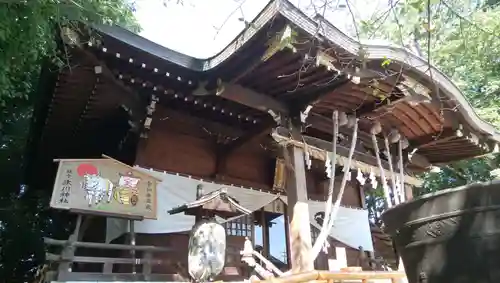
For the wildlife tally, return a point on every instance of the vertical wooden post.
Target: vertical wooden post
(252, 221)
(287, 238)
(108, 266)
(408, 192)
(132, 242)
(267, 244)
(68, 251)
(146, 267)
(298, 209)
(265, 233)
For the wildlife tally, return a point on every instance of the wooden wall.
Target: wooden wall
(317, 186)
(178, 143)
(181, 144)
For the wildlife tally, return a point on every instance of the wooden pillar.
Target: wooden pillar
(298, 209)
(132, 243)
(286, 220)
(68, 251)
(408, 192)
(265, 233)
(252, 221)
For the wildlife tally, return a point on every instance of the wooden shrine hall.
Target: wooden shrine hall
(258, 120)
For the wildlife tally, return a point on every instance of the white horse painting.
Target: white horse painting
(97, 188)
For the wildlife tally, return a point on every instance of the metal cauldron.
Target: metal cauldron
(452, 236)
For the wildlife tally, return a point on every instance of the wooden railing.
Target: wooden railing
(65, 260)
(142, 259)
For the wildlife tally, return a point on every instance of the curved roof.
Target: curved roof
(132, 69)
(416, 66)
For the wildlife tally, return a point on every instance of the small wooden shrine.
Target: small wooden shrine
(289, 115)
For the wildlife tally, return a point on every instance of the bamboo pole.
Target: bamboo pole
(331, 275)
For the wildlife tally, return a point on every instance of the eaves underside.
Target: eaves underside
(419, 66)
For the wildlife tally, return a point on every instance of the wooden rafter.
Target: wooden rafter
(250, 98)
(283, 135)
(248, 137)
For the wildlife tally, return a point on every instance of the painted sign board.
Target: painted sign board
(104, 187)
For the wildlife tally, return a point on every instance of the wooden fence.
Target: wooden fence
(67, 257)
(141, 266)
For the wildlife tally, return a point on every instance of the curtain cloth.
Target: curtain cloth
(351, 226)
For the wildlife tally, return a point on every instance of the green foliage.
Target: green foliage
(461, 38)
(27, 35)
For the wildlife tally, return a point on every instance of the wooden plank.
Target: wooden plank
(147, 268)
(91, 245)
(247, 138)
(96, 259)
(69, 249)
(253, 99)
(327, 146)
(325, 124)
(119, 277)
(300, 227)
(287, 237)
(282, 134)
(265, 233)
(334, 276)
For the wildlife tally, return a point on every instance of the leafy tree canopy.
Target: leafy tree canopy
(461, 38)
(27, 35)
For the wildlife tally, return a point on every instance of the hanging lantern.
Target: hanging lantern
(206, 251)
(394, 136)
(351, 120)
(376, 128)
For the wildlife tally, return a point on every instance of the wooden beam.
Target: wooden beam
(325, 124)
(320, 147)
(436, 138)
(248, 137)
(327, 146)
(132, 99)
(250, 98)
(314, 95)
(223, 151)
(164, 112)
(298, 209)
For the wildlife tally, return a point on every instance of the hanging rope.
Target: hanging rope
(401, 171)
(331, 184)
(374, 131)
(327, 225)
(391, 168)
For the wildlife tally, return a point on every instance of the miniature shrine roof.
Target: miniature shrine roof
(284, 61)
(217, 201)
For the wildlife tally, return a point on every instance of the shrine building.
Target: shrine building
(257, 120)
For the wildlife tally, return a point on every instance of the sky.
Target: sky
(201, 29)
